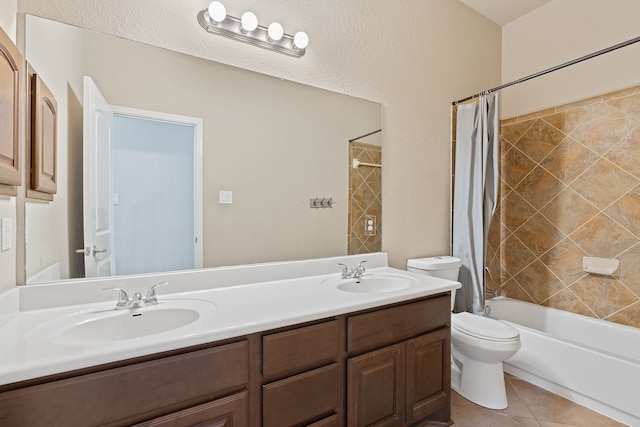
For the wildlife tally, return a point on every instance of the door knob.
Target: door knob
(90, 251)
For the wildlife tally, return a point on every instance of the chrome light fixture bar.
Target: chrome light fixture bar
(246, 29)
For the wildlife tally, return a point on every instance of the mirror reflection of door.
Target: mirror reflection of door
(97, 183)
(155, 198)
(142, 201)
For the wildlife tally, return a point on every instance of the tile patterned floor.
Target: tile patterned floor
(529, 406)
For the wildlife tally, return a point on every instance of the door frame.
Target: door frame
(197, 124)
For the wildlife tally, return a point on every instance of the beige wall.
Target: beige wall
(8, 17)
(561, 31)
(8, 204)
(52, 54)
(412, 56)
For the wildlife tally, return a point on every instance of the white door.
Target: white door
(97, 186)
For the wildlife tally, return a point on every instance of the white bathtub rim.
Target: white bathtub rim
(576, 317)
(576, 344)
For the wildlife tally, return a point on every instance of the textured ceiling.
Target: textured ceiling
(504, 11)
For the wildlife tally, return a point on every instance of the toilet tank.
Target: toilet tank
(445, 267)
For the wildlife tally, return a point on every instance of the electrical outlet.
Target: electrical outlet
(369, 225)
(6, 231)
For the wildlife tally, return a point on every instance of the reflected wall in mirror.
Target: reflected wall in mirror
(273, 143)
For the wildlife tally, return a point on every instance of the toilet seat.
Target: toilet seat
(483, 327)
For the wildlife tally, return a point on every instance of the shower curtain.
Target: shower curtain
(475, 195)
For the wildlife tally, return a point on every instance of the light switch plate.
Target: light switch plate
(226, 197)
(6, 231)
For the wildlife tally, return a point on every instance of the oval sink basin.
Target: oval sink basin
(93, 327)
(374, 283)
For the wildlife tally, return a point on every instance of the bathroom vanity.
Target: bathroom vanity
(375, 358)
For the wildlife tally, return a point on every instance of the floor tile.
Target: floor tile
(549, 407)
(529, 406)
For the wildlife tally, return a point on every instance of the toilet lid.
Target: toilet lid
(483, 327)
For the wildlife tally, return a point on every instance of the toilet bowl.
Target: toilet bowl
(479, 344)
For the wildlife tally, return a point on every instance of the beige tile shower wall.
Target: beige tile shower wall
(365, 199)
(571, 188)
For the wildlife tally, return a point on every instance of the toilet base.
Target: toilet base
(481, 383)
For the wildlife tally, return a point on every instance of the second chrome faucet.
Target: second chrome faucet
(137, 300)
(352, 273)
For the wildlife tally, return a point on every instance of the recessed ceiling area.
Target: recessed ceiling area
(504, 11)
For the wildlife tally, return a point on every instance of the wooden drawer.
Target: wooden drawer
(300, 349)
(298, 399)
(132, 393)
(379, 328)
(232, 411)
(331, 421)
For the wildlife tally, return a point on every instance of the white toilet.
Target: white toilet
(479, 344)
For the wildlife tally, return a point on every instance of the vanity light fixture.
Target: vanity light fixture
(248, 22)
(215, 20)
(275, 32)
(217, 12)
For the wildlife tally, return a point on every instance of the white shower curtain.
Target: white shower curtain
(475, 195)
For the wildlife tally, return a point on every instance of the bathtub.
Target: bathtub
(589, 361)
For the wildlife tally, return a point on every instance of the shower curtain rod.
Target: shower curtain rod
(552, 69)
(367, 134)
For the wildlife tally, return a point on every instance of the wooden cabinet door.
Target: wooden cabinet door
(232, 411)
(428, 375)
(43, 148)
(11, 66)
(375, 388)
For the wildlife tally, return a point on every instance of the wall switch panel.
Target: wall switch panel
(226, 197)
(6, 231)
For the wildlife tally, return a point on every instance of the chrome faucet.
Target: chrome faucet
(352, 273)
(123, 298)
(152, 298)
(137, 300)
(359, 270)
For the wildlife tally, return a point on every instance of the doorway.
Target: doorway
(157, 196)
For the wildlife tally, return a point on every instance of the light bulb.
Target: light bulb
(275, 31)
(217, 11)
(249, 22)
(300, 40)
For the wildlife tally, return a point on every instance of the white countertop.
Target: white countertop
(236, 311)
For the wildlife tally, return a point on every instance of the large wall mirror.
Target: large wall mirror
(267, 148)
